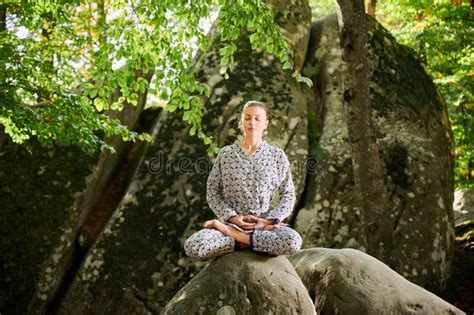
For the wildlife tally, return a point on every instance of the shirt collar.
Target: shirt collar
(241, 150)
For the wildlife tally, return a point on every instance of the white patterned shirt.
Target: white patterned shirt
(244, 185)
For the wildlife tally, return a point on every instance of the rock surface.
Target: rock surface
(465, 236)
(463, 205)
(41, 198)
(460, 291)
(45, 198)
(415, 142)
(348, 281)
(243, 283)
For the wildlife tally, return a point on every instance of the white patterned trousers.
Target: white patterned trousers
(209, 243)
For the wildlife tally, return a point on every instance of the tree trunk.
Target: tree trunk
(367, 168)
(101, 21)
(371, 5)
(3, 18)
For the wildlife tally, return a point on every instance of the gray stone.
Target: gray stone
(243, 283)
(46, 197)
(41, 197)
(463, 205)
(348, 281)
(415, 142)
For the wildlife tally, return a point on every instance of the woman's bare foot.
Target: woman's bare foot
(217, 225)
(230, 231)
(271, 227)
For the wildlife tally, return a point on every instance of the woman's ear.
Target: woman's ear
(240, 126)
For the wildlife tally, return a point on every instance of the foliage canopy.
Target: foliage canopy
(62, 62)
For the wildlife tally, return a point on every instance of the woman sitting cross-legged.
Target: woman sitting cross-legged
(240, 188)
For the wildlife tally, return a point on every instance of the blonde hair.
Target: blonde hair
(252, 104)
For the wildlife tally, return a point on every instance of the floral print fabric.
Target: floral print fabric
(244, 185)
(210, 243)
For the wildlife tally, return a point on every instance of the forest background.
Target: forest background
(61, 62)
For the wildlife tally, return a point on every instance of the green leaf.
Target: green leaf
(93, 93)
(254, 38)
(100, 104)
(223, 70)
(133, 99)
(287, 65)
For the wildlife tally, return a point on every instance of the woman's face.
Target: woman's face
(254, 121)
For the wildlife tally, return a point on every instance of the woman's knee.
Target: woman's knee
(292, 241)
(204, 244)
(190, 247)
(284, 241)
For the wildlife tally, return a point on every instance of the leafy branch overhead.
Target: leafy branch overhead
(63, 63)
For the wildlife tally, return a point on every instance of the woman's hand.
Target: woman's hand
(266, 225)
(271, 227)
(244, 221)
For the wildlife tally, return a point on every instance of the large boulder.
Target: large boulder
(415, 145)
(463, 205)
(348, 281)
(138, 263)
(42, 198)
(243, 283)
(45, 197)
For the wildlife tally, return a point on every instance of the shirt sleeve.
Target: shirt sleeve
(214, 192)
(287, 196)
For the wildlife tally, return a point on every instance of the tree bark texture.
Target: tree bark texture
(3, 18)
(368, 171)
(371, 6)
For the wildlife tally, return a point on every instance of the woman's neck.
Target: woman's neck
(251, 144)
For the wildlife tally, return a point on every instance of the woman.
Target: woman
(239, 192)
